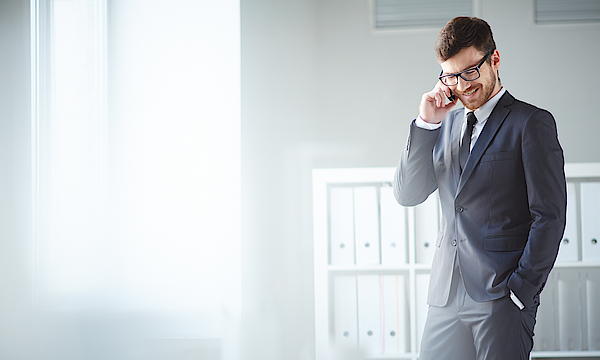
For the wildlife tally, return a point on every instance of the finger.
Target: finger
(441, 97)
(446, 91)
(443, 89)
(439, 102)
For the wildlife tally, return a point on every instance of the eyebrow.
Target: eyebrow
(470, 67)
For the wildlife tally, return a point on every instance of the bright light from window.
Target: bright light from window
(139, 170)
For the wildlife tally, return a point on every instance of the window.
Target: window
(137, 163)
(561, 11)
(404, 14)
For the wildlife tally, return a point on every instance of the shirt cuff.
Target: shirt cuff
(516, 300)
(425, 125)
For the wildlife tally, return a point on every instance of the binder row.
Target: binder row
(569, 316)
(371, 312)
(367, 227)
(583, 217)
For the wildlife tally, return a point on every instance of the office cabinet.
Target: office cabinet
(394, 314)
(345, 312)
(341, 235)
(590, 221)
(373, 257)
(393, 229)
(426, 227)
(592, 292)
(570, 317)
(569, 246)
(366, 225)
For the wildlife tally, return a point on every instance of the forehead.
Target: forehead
(465, 59)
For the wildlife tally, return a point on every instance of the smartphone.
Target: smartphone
(452, 97)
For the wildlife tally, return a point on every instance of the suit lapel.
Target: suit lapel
(490, 129)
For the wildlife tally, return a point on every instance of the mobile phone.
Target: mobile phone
(452, 97)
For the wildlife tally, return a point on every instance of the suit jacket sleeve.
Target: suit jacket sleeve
(543, 165)
(415, 178)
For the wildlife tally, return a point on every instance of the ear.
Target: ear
(495, 60)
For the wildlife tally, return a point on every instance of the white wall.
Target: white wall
(15, 171)
(278, 115)
(321, 89)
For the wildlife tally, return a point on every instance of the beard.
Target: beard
(485, 92)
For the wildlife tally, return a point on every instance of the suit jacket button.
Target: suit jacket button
(460, 209)
(453, 242)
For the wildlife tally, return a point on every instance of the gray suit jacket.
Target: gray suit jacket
(504, 216)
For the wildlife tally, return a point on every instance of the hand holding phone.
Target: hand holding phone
(436, 104)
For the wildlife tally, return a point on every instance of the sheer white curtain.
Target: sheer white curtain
(137, 168)
(71, 161)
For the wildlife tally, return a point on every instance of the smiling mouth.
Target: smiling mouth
(467, 94)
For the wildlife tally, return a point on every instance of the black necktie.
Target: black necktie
(465, 146)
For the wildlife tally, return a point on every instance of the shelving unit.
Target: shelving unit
(373, 257)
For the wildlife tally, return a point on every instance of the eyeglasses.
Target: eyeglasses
(467, 75)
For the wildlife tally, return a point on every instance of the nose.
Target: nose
(462, 84)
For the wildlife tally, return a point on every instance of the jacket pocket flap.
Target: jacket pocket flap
(504, 243)
(502, 155)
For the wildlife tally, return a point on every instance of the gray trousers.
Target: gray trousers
(469, 330)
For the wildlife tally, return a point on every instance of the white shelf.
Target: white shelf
(413, 272)
(564, 354)
(379, 268)
(582, 170)
(534, 355)
(578, 264)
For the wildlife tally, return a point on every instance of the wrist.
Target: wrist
(420, 122)
(430, 121)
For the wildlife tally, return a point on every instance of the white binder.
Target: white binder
(366, 225)
(427, 219)
(590, 221)
(394, 315)
(546, 321)
(421, 288)
(369, 314)
(341, 225)
(593, 308)
(569, 310)
(345, 312)
(569, 247)
(393, 229)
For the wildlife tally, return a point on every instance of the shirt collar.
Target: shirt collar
(486, 109)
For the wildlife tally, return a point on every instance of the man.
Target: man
(500, 176)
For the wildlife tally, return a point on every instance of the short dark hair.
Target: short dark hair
(461, 33)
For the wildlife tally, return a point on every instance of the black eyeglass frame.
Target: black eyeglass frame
(476, 68)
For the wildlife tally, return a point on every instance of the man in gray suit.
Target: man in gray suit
(499, 169)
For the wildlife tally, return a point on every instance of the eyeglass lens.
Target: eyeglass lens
(468, 75)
